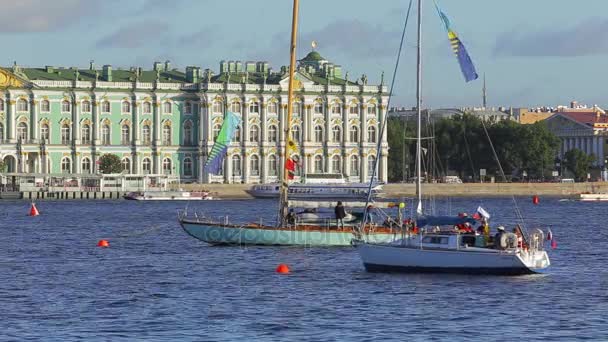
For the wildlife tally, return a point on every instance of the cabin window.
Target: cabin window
(438, 240)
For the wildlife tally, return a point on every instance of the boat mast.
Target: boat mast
(418, 110)
(284, 207)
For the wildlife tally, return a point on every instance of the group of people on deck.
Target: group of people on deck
(484, 230)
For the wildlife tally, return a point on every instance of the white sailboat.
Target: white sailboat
(430, 247)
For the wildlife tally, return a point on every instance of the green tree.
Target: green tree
(110, 163)
(579, 163)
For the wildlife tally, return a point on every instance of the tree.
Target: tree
(110, 163)
(579, 163)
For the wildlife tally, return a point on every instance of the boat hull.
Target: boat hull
(217, 234)
(594, 197)
(391, 258)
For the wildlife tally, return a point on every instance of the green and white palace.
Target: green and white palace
(163, 121)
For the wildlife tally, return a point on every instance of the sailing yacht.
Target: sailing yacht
(292, 229)
(433, 244)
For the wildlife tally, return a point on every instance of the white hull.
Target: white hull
(350, 191)
(168, 196)
(468, 260)
(593, 197)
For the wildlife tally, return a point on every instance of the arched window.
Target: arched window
(216, 131)
(354, 108)
(218, 107)
(45, 106)
(272, 108)
(254, 133)
(235, 107)
(318, 108)
(2, 105)
(22, 105)
(65, 134)
(85, 134)
(371, 109)
(354, 134)
(105, 106)
(44, 132)
(146, 166)
(237, 134)
(336, 108)
(166, 135)
(336, 164)
(295, 133)
(296, 159)
(336, 133)
(125, 135)
(254, 165)
(22, 131)
(318, 133)
(188, 133)
(126, 165)
(354, 165)
(318, 164)
(145, 133)
(254, 107)
(105, 134)
(188, 108)
(272, 165)
(86, 106)
(66, 165)
(65, 106)
(147, 108)
(371, 134)
(167, 108)
(126, 107)
(296, 108)
(371, 161)
(85, 165)
(167, 166)
(236, 165)
(188, 167)
(272, 133)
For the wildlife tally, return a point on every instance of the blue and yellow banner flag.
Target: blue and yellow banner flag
(220, 147)
(466, 64)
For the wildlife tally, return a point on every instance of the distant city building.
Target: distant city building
(488, 115)
(164, 120)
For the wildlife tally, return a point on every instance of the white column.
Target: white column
(345, 135)
(10, 120)
(95, 128)
(245, 125)
(34, 119)
(363, 167)
(263, 128)
(228, 168)
(135, 135)
(75, 121)
(156, 121)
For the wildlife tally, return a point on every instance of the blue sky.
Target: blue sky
(541, 52)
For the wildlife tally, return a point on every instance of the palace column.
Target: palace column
(75, 121)
(156, 122)
(228, 168)
(363, 167)
(10, 120)
(135, 135)
(34, 119)
(345, 133)
(306, 119)
(245, 125)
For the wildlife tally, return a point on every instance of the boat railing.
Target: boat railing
(184, 214)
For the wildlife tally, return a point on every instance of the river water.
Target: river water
(157, 283)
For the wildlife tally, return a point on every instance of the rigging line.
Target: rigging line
(383, 126)
(466, 144)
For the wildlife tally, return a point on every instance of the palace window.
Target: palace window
(336, 108)
(254, 133)
(86, 106)
(336, 133)
(166, 135)
(318, 108)
(336, 164)
(235, 107)
(371, 134)
(272, 108)
(146, 166)
(45, 106)
(126, 165)
(371, 109)
(22, 105)
(85, 132)
(318, 133)
(105, 134)
(318, 164)
(66, 165)
(65, 106)
(126, 107)
(167, 108)
(354, 165)
(254, 107)
(44, 132)
(371, 163)
(188, 108)
(272, 133)
(272, 165)
(145, 132)
(296, 108)
(295, 133)
(236, 165)
(85, 165)
(65, 134)
(218, 107)
(167, 166)
(354, 134)
(188, 133)
(105, 107)
(354, 109)
(216, 131)
(255, 165)
(237, 134)
(22, 131)
(147, 108)
(125, 138)
(187, 167)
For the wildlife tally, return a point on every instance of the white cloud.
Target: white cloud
(42, 15)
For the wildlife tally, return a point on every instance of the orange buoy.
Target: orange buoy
(283, 269)
(535, 199)
(103, 243)
(34, 210)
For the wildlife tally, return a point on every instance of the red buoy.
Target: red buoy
(535, 199)
(283, 269)
(103, 243)
(33, 210)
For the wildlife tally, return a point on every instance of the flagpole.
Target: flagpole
(284, 205)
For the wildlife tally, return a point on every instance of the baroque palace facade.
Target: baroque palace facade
(164, 121)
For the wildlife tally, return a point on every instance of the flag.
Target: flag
(290, 166)
(220, 147)
(483, 212)
(466, 64)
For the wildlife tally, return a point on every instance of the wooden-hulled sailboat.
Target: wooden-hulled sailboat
(435, 246)
(290, 230)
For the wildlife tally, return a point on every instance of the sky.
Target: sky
(533, 53)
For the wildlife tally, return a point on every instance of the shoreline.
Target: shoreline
(391, 190)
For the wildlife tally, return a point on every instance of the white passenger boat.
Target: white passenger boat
(168, 196)
(319, 186)
(593, 197)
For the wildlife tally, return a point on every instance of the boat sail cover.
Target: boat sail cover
(218, 152)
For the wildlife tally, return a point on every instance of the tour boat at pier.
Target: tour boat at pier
(168, 196)
(593, 197)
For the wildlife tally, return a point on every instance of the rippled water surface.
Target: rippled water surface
(157, 283)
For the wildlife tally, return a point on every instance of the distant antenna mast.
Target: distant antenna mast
(485, 94)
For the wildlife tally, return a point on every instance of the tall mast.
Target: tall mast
(292, 65)
(485, 94)
(419, 113)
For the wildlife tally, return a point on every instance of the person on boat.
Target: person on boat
(520, 237)
(340, 214)
(291, 216)
(498, 236)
